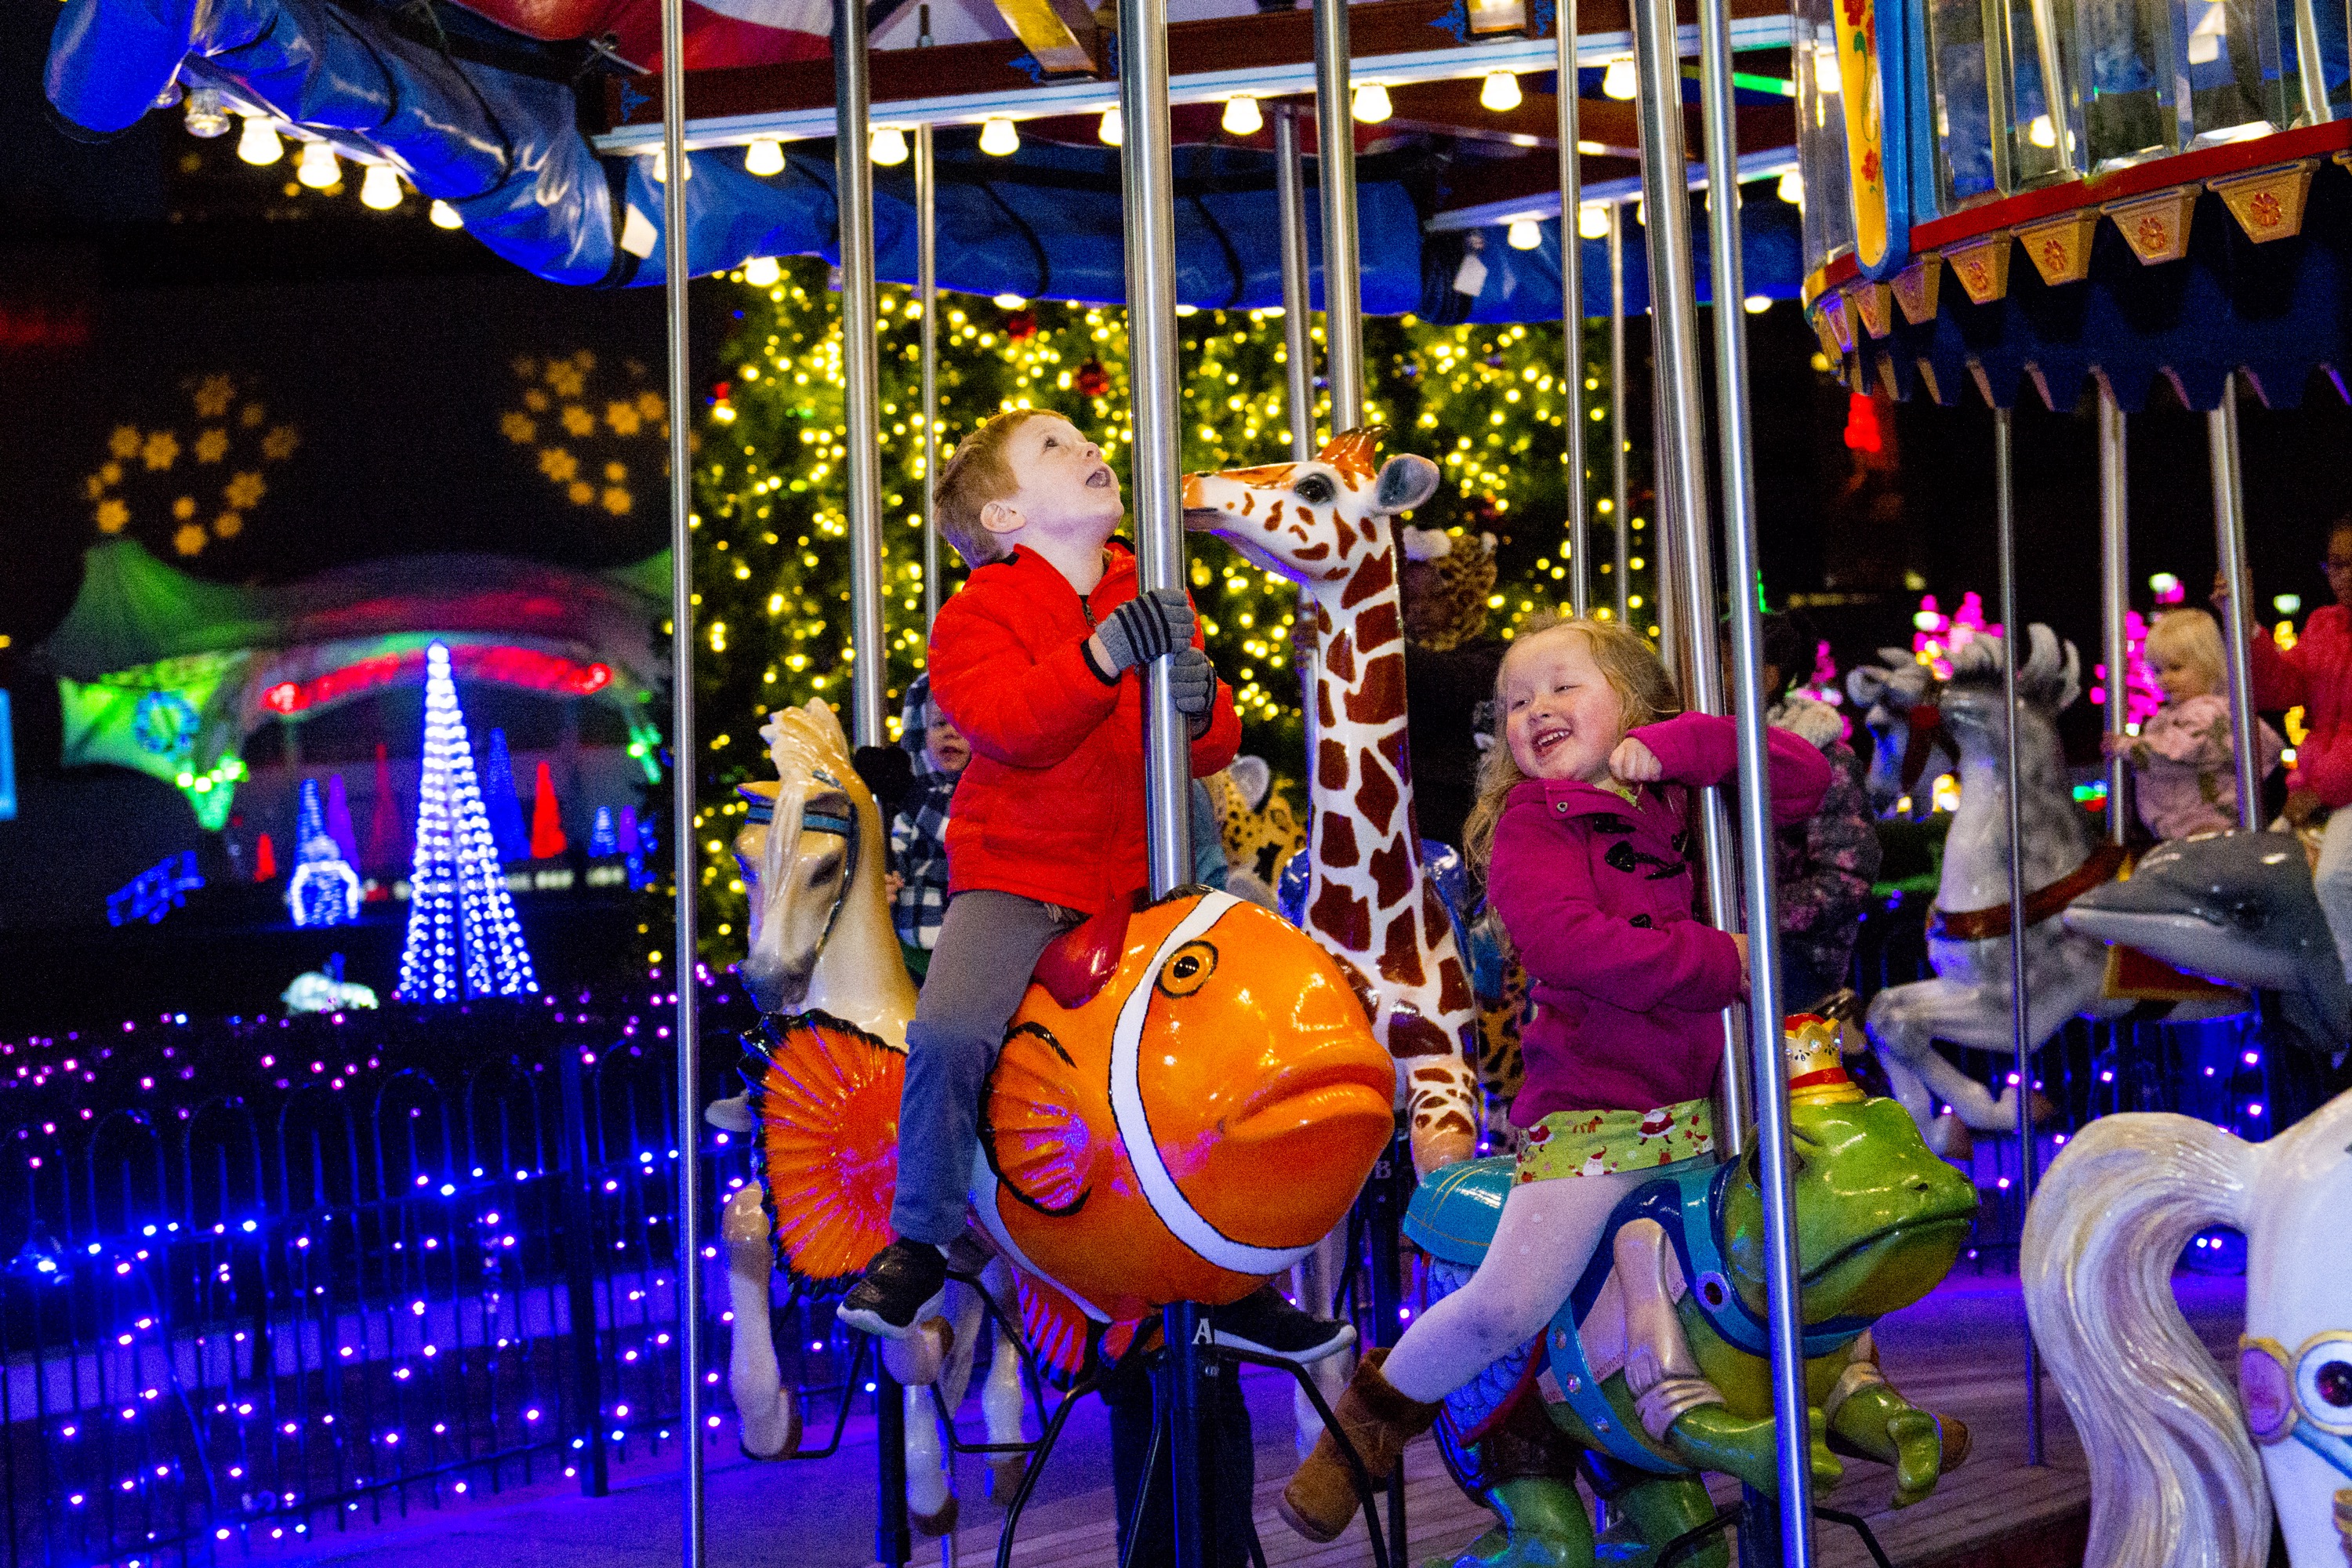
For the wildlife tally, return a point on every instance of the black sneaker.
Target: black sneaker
(1264, 1323)
(904, 1284)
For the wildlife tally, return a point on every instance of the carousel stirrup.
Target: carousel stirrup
(1378, 1422)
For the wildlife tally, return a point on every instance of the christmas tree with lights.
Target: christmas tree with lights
(324, 889)
(464, 939)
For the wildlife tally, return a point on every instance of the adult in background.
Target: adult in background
(1449, 670)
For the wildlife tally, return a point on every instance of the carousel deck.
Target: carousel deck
(1959, 1353)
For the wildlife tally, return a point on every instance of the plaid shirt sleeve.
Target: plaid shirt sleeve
(918, 852)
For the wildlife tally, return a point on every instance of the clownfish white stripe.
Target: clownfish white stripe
(983, 1202)
(1134, 1122)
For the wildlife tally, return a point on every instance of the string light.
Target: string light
(1500, 93)
(1792, 188)
(658, 168)
(887, 147)
(998, 139)
(762, 271)
(258, 144)
(464, 939)
(1242, 116)
(1111, 130)
(205, 115)
(381, 187)
(317, 167)
(444, 215)
(1757, 304)
(1593, 221)
(1371, 103)
(1525, 234)
(765, 156)
(1618, 81)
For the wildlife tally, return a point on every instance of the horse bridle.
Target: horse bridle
(763, 813)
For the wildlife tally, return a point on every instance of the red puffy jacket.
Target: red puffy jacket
(1050, 806)
(2314, 675)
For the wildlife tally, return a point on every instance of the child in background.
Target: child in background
(2184, 777)
(1825, 864)
(1581, 827)
(918, 833)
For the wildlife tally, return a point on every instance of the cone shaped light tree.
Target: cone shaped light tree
(464, 939)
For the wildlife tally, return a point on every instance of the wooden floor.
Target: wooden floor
(1962, 1355)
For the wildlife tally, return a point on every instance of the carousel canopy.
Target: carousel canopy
(537, 125)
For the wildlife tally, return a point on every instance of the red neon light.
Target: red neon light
(522, 666)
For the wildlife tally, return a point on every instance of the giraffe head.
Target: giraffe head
(1315, 521)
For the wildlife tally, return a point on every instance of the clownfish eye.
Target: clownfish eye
(1188, 969)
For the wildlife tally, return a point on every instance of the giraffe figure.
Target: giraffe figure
(1323, 524)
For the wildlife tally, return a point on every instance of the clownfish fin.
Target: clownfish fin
(1078, 963)
(1056, 1331)
(1141, 1335)
(1032, 1124)
(825, 1149)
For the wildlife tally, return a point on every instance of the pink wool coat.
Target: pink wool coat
(1596, 893)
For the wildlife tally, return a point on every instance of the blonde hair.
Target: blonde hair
(978, 473)
(2189, 637)
(1645, 694)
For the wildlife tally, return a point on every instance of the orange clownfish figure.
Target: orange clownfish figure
(1186, 1101)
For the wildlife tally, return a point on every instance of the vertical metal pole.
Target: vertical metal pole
(676, 269)
(927, 296)
(1618, 455)
(853, 176)
(2012, 628)
(1571, 314)
(2230, 541)
(1147, 186)
(1682, 539)
(2114, 598)
(1298, 290)
(1758, 860)
(1335, 123)
(2310, 68)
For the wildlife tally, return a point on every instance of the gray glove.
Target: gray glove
(1145, 628)
(1192, 681)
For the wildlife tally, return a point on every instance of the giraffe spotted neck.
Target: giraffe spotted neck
(1323, 524)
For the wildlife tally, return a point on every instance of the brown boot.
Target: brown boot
(1378, 1421)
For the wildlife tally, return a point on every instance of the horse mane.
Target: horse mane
(2044, 681)
(2175, 1482)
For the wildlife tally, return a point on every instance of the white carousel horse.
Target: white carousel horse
(1968, 1003)
(2177, 1464)
(1901, 757)
(821, 941)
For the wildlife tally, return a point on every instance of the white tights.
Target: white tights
(1543, 1241)
(2332, 880)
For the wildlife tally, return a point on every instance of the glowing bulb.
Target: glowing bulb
(381, 189)
(1825, 72)
(1792, 188)
(317, 167)
(2042, 133)
(1592, 222)
(444, 215)
(765, 156)
(1619, 80)
(762, 271)
(258, 144)
(1372, 104)
(1757, 304)
(999, 140)
(1009, 302)
(1501, 93)
(659, 169)
(888, 146)
(1525, 234)
(1242, 116)
(1112, 131)
(206, 116)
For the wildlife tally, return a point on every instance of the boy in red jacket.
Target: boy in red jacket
(1037, 661)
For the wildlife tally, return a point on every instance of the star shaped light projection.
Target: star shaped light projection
(594, 429)
(194, 480)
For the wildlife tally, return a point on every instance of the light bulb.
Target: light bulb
(2042, 133)
(1111, 131)
(1757, 304)
(1825, 73)
(1009, 302)
(1372, 104)
(1792, 188)
(317, 167)
(762, 271)
(998, 139)
(1242, 116)
(1592, 222)
(258, 144)
(1525, 234)
(380, 188)
(1501, 93)
(206, 116)
(888, 146)
(444, 215)
(659, 170)
(1619, 82)
(765, 156)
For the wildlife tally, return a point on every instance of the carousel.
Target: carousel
(1198, 1096)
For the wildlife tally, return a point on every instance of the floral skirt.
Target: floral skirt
(1603, 1143)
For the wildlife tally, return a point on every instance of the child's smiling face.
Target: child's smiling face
(1562, 717)
(1063, 493)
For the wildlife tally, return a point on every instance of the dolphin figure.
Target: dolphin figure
(2237, 907)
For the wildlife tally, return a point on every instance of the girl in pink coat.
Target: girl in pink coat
(1582, 824)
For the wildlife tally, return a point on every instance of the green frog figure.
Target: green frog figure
(1656, 1369)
